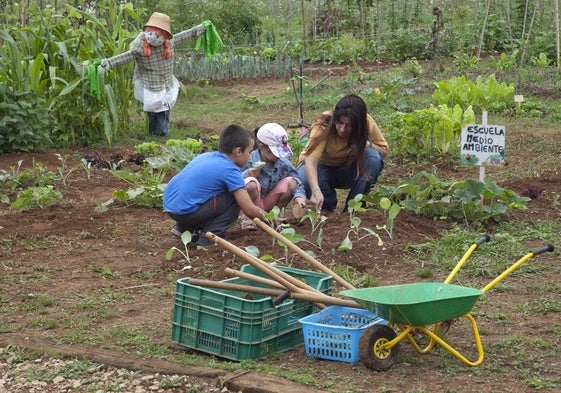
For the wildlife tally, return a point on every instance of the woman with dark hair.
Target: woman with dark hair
(346, 150)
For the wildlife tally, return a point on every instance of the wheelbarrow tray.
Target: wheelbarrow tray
(416, 304)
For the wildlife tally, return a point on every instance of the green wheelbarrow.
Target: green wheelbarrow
(410, 308)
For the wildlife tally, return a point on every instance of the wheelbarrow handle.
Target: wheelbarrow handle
(484, 239)
(513, 267)
(546, 248)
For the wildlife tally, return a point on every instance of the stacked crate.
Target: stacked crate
(239, 325)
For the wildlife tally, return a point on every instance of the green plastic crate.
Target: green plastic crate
(237, 325)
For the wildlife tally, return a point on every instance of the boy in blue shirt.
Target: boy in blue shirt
(208, 194)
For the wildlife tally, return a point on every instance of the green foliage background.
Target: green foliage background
(48, 45)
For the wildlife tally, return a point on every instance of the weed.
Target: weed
(63, 171)
(424, 272)
(87, 165)
(356, 278)
(106, 272)
(171, 382)
(16, 355)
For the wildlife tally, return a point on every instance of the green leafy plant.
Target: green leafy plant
(465, 62)
(19, 179)
(481, 94)
(540, 61)
(25, 120)
(275, 219)
(4, 191)
(87, 165)
(428, 132)
(186, 238)
(316, 220)
(291, 235)
(147, 148)
(392, 210)
(148, 186)
(9, 182)
(34, 197)
(63, 171)
(505, 61)
(471, 201)
(173, 157)
(355, 206)
(191, 144)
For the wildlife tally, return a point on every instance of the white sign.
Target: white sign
(482, 144)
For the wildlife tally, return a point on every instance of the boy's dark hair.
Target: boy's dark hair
(233, 136)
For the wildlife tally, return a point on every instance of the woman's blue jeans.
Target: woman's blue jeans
(331, 178)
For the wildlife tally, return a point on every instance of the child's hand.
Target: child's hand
(253, 172)
(299, 210)
(255, 168)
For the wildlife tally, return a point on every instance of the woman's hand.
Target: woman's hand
(317, 198)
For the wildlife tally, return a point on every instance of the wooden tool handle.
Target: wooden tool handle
(302, 253)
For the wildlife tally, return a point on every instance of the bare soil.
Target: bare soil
(107, 274)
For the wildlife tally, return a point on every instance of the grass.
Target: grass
(488, 260)
(200, 111)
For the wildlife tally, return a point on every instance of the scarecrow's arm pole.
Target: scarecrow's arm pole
(184, 35)
(119, 60)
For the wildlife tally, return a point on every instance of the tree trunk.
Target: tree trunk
(557, 31)
(522, 57)
(487, 7)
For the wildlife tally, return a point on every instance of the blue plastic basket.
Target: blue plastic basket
(334, 333)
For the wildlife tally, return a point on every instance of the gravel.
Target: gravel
(19, 373)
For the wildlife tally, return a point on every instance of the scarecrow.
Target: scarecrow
(155, 86)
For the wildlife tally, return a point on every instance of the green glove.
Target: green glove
(94, 79)
(210, 40)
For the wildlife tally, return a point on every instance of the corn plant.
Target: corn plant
(44, 84)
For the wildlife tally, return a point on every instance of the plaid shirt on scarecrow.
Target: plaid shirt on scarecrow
(155, 71)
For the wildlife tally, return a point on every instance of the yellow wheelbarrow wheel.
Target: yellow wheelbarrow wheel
(373, 350)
